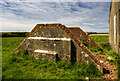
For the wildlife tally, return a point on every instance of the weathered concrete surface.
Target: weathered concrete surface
(51, 39)
(114, 26)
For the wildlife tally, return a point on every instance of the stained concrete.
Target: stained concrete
(114, 29)
(73, 50)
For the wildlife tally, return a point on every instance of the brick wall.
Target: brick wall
(81, 35)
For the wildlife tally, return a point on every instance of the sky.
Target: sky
(23, 15)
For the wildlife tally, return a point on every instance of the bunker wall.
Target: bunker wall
(114, 26)
(50, 39)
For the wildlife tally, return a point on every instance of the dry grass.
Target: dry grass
(99, 35)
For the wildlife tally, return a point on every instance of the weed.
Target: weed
(92, 48)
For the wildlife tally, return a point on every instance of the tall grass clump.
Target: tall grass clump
(22, 65)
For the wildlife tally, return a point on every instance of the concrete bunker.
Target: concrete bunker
(57, 42)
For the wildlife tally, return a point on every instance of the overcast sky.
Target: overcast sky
(24, 15)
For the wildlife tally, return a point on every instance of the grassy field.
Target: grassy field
(24, 66)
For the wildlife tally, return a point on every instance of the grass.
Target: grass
(14, 34)
(103, 41)
(24, 66)
(100, 39)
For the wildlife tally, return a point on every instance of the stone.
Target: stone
(110, 58)
(101, 61)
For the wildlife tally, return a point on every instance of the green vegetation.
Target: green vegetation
(100, 39)
(24, 66)
(91, 48)
(103, 41)
(91, 33)
(14, 34)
